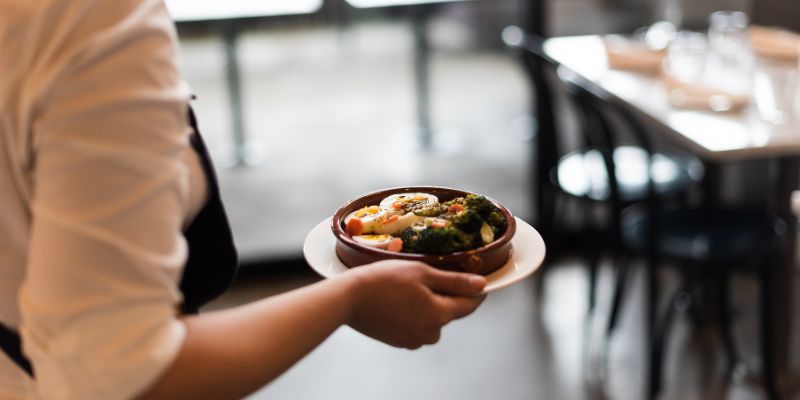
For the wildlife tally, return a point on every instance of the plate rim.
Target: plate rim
(495, 282)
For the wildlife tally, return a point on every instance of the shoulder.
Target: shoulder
(67, 18)
(50, 30)
(60, 38)
(12, 9)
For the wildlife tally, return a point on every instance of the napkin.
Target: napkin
(702, 97)
(774, 43)
(632, 55)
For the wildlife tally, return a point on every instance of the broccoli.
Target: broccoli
(480, 204)
(433, 241)
(409, 237)
(468, 220)
(463, 234)
(457, 200)
(439, 241)
(498, 222)
(431, 211)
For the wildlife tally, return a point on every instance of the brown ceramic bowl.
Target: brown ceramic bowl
(483, 260)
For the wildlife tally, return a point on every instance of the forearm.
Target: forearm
(228, 354)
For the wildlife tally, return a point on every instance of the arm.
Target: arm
(228, 354)
(99, 299)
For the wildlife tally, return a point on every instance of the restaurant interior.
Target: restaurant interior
(653, 144)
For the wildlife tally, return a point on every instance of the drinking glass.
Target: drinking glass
(686, 57)
(730, 61)
(671, 11)
(727, 34)
(775, 90)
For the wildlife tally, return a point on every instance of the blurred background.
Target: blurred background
(328, 99)
(306, 104)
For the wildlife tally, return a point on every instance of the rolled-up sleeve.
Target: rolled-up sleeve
(110, 193)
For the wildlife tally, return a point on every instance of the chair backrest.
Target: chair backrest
(601, 117)
(604, 116)
(545, 150)
(596, 106)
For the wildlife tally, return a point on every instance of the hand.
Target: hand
(406, 304)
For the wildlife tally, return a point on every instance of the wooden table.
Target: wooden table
(714, 137)
(228, 15)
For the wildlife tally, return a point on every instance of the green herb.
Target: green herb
(478, 223)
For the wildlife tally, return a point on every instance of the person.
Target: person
(101, 178)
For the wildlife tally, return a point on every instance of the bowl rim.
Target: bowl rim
(343, 237)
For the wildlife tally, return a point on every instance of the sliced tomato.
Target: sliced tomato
(355, 226)
(455, 208)
(396, 245)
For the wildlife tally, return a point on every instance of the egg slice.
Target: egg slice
(370, 216)
(407, 202)
(379, 241)
(396, 224)
(434, 222)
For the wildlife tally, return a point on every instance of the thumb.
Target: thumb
(455, 283)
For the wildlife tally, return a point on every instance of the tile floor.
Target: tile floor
(516, 346)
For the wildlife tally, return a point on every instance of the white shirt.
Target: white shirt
(97, 181)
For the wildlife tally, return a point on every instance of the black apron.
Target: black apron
(210, 267)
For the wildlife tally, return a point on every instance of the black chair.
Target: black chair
(580, 175)
(704, 242)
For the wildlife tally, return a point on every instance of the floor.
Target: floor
(519, 346)
(331, 115)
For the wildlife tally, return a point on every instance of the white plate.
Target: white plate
(526, 256)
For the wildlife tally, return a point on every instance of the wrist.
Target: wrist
(353, 287)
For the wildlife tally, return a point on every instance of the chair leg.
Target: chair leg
(549, 213)
(696, 283)
(593, 255)
(620, 286)
(652, 331)
(661, 341)
(540, 280)
(621, 264)
(767, 351)
(656, 362)
(724, 313)
(592, 266)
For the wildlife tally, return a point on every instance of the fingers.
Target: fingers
(459, 307)
(455, 283)
(430, 337)
(406, 304)
(450, 308)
